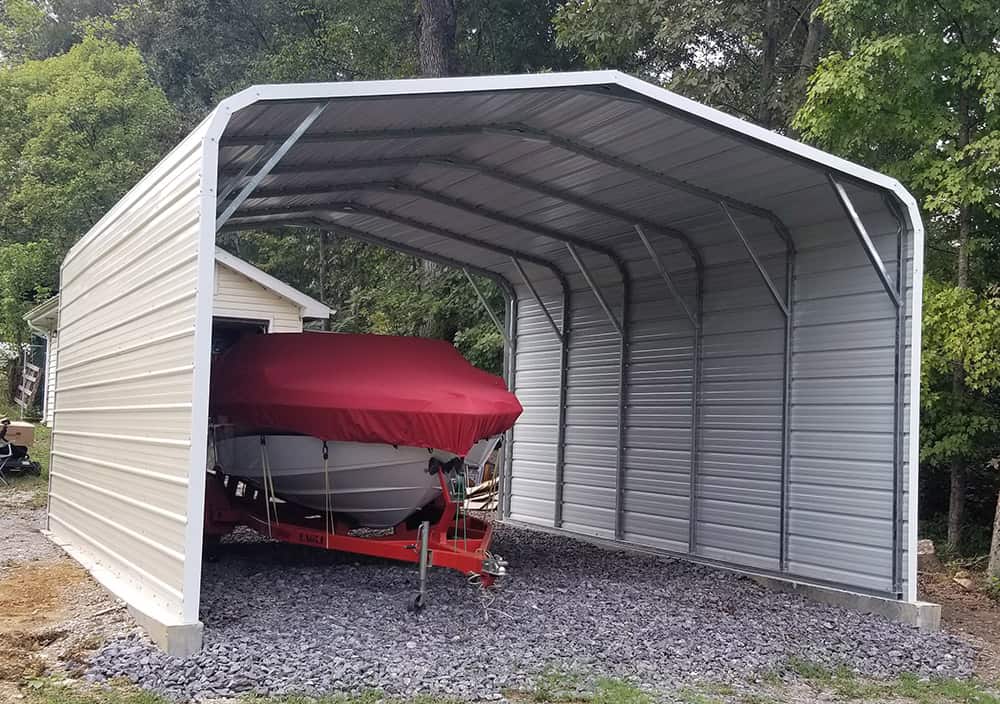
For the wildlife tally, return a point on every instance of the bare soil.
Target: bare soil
(52, 613)
(971, 613)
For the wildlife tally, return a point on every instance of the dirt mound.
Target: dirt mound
(31, 605)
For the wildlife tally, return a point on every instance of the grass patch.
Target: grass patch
(553, 686)
(846, 685)
(51, 691)
(694, 696)
(614, 691)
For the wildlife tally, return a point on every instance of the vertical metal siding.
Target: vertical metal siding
(738, 499)
(841, 482)
(590, 474)
(532, 496)
(122, 437)
(658, 438)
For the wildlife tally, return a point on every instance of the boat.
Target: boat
(352, 425)
(374, 484)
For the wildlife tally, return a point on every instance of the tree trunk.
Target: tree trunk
(769, 53)
(437, 37)
(993, 569)
(815, 38)
(323, 276)
(956, 501)
(956, 504)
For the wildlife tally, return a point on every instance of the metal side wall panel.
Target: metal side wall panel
(738, 494)
(841, 476)
(122, 437)
(532, 495)
(658, 418)
(593, 375)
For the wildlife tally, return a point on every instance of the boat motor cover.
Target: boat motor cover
(361, 388)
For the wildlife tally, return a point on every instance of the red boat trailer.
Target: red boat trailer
(453, 539)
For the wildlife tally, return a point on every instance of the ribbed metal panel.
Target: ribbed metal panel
(841, 480)
(122, 435)
(535, 436)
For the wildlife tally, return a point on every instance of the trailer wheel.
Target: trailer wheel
(417, 603)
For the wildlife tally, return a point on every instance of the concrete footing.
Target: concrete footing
(177, 639)
(180, 641)
(921, 614)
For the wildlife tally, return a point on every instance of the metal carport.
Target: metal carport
(710, 326)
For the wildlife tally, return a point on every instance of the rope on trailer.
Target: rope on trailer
(326, 486)
(264, 469)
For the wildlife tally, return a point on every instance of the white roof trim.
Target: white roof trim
(311, 308)
(42, 318)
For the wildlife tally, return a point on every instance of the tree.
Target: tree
(748, 58)
(961, 328)
(915, 91)
(510, 36)
(76, 131)
(25, 280)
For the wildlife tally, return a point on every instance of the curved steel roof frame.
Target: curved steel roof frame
(618, 88)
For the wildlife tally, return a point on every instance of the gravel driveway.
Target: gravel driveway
(281, 618)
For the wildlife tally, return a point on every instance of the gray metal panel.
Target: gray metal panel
(841, 490)
(537, 387)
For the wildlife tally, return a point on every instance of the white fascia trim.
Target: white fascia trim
(310, 307)
(43, 317)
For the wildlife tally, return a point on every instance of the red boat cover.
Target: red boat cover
(363, 388)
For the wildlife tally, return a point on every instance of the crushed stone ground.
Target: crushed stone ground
(286, 619)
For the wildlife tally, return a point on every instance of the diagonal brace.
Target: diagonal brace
(278, 155)
(594, 288)
(538, 299)
(866, 241)
(486, 306)
(666, 276)
(756, 260)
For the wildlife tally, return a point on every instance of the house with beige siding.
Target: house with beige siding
(246, 298)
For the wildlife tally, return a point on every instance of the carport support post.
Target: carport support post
(895, 293)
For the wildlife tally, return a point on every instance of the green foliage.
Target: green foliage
(76, 131)
(380, 291)
(889, 98)
(26, 278)
(22, 25)
(960, 325)
(707, 50)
